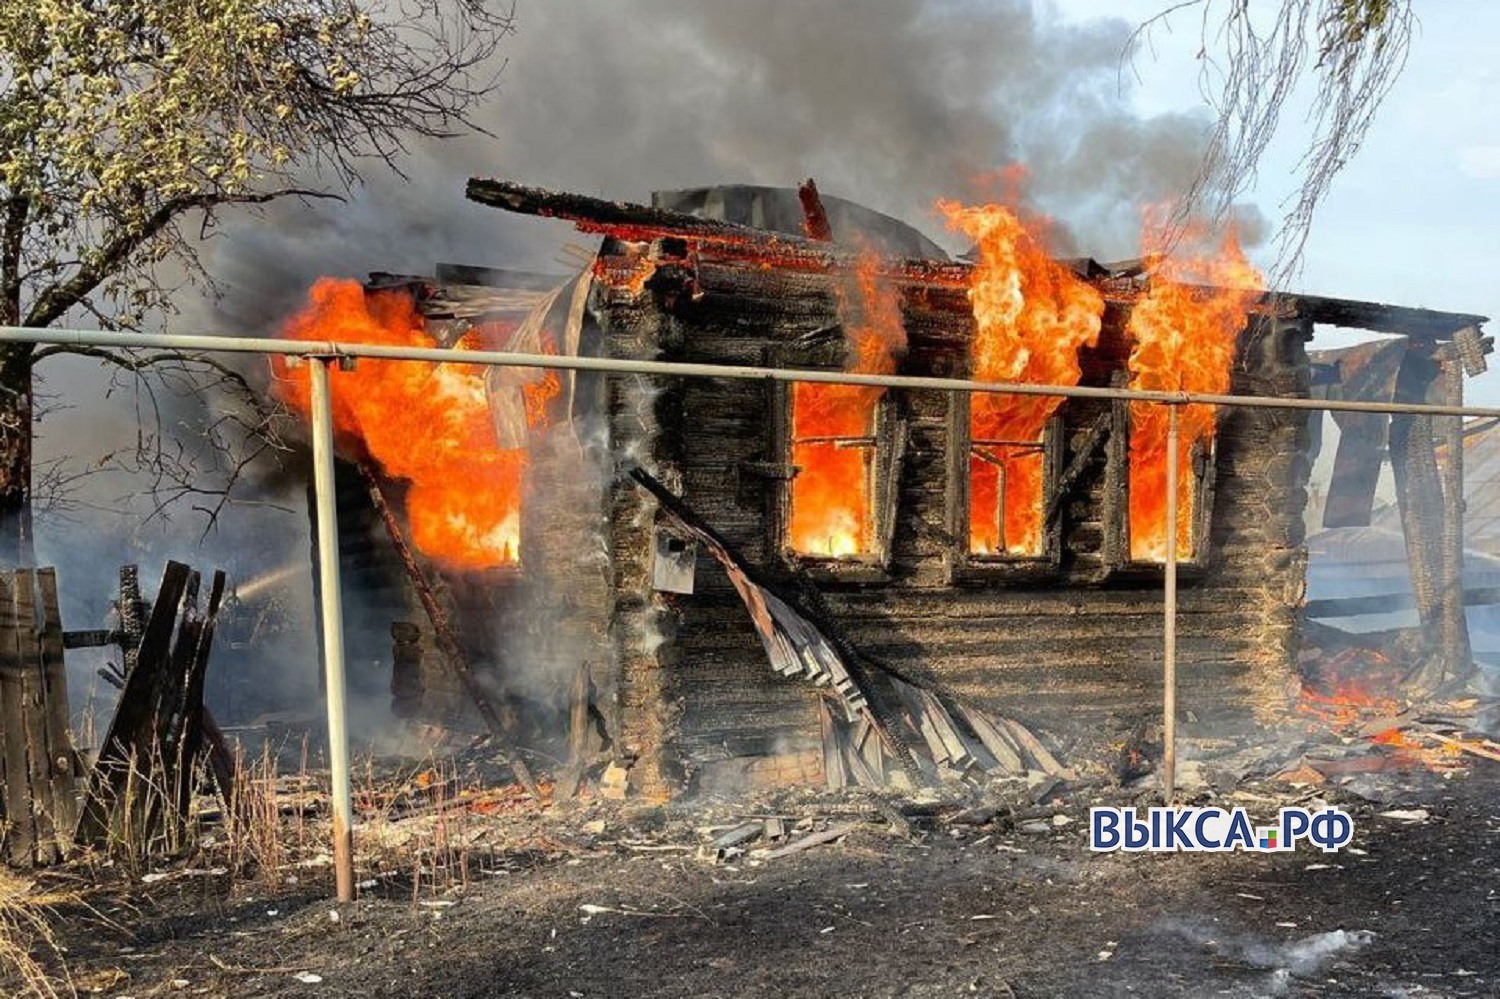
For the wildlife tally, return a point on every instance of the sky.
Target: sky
(1414, 219)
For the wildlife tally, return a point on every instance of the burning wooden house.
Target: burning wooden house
(755, 581)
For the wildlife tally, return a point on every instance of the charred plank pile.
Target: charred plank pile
(146, 773)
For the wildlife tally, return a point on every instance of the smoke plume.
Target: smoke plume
(894, 107)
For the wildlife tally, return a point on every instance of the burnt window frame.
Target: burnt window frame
(886, 463)
(963, 564)
(1204, 459)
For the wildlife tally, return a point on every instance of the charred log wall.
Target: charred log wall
(1072, 646)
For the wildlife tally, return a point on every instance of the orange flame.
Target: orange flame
(1183, 339)
(429, 424)
(831, 493)
(1032, 315)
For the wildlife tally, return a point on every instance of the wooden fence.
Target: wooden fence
(37, 764)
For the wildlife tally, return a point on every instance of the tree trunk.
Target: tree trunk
(16, 549)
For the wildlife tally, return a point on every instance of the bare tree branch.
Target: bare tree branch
(117, 248)
(1252, 60)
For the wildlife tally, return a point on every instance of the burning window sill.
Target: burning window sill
(1187, 569)
(978, 568)
(839, 568)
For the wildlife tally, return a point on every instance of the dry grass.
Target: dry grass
(30, 961)
(425, 828)
(419, 823)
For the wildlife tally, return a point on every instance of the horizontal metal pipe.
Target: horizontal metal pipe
(611, 365)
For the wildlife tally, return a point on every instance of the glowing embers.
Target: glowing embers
(833, 443)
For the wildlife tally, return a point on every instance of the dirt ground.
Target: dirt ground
(609, 900)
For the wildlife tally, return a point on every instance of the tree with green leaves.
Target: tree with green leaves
(128, 126)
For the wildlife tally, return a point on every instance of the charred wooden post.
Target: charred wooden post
(1454, 629)
(814, 216)
(1419, 490)
(37, 764)
(442, 628)
(132, 616)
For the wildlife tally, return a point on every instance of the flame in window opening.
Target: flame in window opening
(1183, 339)
(1031, 315)
(429, 424)
(833, 426)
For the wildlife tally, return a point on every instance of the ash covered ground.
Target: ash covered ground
(989, 892)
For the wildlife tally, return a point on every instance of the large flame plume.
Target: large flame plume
(428, 424)
(1183, 332)
(1032, 315)
(831, 501)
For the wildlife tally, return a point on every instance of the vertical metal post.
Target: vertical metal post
(331, 610)
(1169, 622)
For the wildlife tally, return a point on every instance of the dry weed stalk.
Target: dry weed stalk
(27, 945)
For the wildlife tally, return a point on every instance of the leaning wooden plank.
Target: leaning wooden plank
(64, 762)
(34, 712)
(816, 839)
(22, 834)
(834, 773)
(164, 744)
(777, 622)
(868, 747)
(863, 775)
(957, 732)
(1033, 746)
(190, 706)
(220, 757)
(916, 712)
(953, 741)
(997, 742)
(135, 715)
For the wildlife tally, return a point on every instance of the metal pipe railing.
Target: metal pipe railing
(613, 365)
(331, 616)
(323, 353)
(1169, 619)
